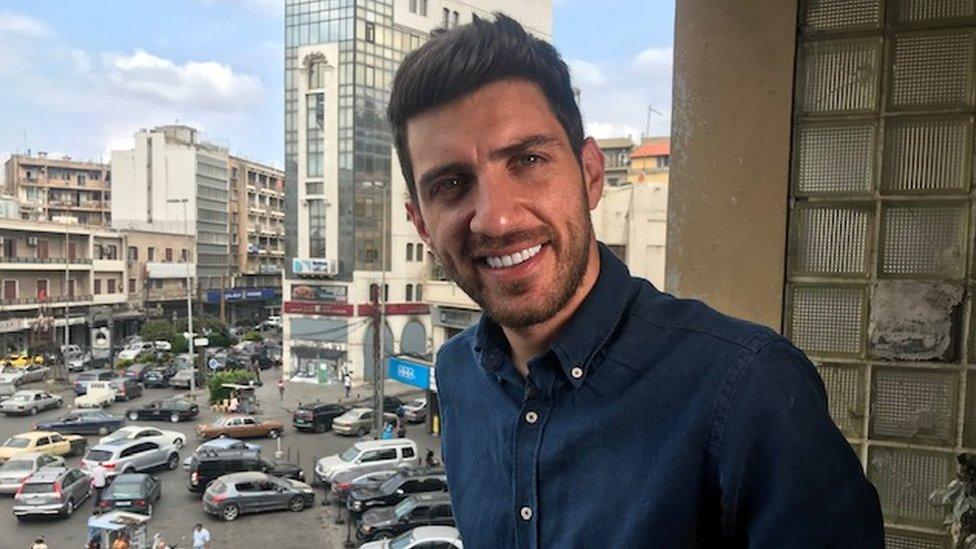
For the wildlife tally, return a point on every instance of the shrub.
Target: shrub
(123, 363)
(214, 384)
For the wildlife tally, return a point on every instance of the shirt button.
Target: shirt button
(576, 372)
(526, 513)
(531, 417)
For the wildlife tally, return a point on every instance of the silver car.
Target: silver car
(54, 491)
(357, 421)
(27, 374)
(29, 402)
(131, 455)
(17, 469)
(253, 492)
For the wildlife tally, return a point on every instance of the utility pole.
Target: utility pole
(189, 296)
(379, 320)
(67, 286)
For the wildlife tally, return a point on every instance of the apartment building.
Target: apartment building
(57, 187)
(173, 182)
(616, 154)
(158, 264)
(348, 234)
(53, 275)
(649, 162)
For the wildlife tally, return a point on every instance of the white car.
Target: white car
(100, 394)
(163, 345)
(422, 536)
(16, 470)
(133, 350)
(131, 432)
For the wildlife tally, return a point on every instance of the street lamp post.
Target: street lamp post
(189, 295)
(379, 374)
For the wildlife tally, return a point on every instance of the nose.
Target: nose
(497, 209)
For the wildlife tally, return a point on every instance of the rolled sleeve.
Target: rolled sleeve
(787, 476)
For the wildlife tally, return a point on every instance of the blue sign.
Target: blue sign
(409, 372)
(243, 294)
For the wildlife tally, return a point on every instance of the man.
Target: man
(588, 409)
(99, 476)
(347, 383)
(201, 537)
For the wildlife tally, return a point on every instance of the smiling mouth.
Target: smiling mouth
(513, 259)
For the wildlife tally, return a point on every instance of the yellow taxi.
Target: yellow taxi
(47, 442)
(22, 359)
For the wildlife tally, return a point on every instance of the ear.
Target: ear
(413, 210)
(592, 160)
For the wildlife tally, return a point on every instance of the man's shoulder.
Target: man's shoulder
(694, 321)
(455, 352)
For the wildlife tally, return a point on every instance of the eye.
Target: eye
(527, 160)
(445, 185)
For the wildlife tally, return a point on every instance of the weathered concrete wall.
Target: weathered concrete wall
(730, 154)
(914, 320)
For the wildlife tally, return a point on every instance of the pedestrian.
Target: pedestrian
(99, 474)
(255, 369)
(201, 537)
(401, 428)
(347, 383)
(38, 544)
(121, 542)
(281, 389)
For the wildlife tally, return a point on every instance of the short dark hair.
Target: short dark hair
(455, 63)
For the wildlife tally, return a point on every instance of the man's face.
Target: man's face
(504, 202)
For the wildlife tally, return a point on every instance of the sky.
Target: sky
(80, 78)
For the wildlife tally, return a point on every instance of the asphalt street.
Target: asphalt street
(178, 509)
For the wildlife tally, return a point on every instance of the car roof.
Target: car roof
(29, 391)
(34, 435)
(28, 455)
(137, 477)
(413, 472)
(359, 410)
(117, 444)
(422, 533)
(244, 476)
(394, 442)
(432, 497)
(47, 474)
(220, 442)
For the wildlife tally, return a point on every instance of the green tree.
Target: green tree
(156, 330)
(254, 336)
(217, 380)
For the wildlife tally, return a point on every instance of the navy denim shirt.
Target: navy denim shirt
(650, 422)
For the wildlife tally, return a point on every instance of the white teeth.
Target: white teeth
(513, 259)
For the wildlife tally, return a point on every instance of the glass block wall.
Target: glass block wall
(880, 255)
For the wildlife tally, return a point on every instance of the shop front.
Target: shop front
(420, 374)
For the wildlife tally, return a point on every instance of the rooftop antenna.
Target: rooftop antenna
(647, 127)
(25, 143)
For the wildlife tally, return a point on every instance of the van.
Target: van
(367, 455)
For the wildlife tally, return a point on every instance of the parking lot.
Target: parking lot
(178, 509)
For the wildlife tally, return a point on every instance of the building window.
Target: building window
(111, 285)
(151, 253)
(446, 18)
(409, 251)
(413, 6)
(42, 290)
(316, 75)
(185, 254)
(71, 288)
(457, 16)
(315, 135)
(9, 248)
(316, 228)
(420, 252)
(423, 7)
(133, 253)
(663, 161)
(409, 292)
(132, 285)
(169, 254)
(419, 293)
(314, 187)
(98, 286)
(370, 32)
(10, 290)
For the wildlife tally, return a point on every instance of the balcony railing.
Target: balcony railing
(47, 260)
(44, 300)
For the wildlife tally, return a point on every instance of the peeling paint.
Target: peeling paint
(914, 320)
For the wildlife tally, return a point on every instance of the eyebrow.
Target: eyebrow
(522, 146)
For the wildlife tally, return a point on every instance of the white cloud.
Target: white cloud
(265, 7)
(615, 97)
(22, 25)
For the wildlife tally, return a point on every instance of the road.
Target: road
(178, 509)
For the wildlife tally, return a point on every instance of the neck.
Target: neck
(532, 341)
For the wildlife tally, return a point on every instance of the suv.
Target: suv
(131, 455)
(367, 455)
(84, 378)
(126, 388)
(317, 416)
(396, 489)
(54, 491)
(207, 466)
(433, 509)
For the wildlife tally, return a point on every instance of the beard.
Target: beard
(511, 304)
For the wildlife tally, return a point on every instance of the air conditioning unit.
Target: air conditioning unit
(32, 241)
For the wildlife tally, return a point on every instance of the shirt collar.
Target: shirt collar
(584, 334)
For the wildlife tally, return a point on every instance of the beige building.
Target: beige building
(50, 272)
(257, 223)
(158, 264)
(616, 154)
(649, 162)
(47, 188)
(632, 221)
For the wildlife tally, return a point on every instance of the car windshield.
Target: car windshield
(37, 488)
(17, 442)
(402, 541)
(220, 421)
(391, 484)
(349, 454)
(98, 455)
(17, 465)
(125, 490)
(404, 508)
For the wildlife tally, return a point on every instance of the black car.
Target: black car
(137, 371)
(390, 403)
(168, 409)
(84, 422)
(126, 388)
(396, 489)
(134, 492)
(433, 509)
(158, 376)
(205, 467)
(316, 416)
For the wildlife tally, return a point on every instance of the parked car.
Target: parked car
(174, 409)
(47, 442)
(391, 403)
(415, 411)
(316, 416)
(396, 489)
(99, 394)
(27, 374)
(231, 495)
(142, 432)
(221, 445)
(84, 422)
(70, 349)
(345, 482)
(240, 426)
(431, 509)
(132, 492)
(23, 358)
(15, 471)
(29, 402)
(126, 388)
(158, 376)
(137, 371)
(129, 456)
(368, 455)
(127, 341)
(7, 390)
(181, 379)
(84, 378)
(134, 349)
(206, 466)
(162, 345)
(422, 537)
(78, 362)
(357, 422)
(54, 491)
